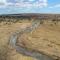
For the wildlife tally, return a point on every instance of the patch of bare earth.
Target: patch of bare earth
(6, 52)
(45, 38)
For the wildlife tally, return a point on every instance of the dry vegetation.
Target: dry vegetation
(45, 38)
(6, 30)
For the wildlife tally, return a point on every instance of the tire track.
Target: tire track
(35, 54)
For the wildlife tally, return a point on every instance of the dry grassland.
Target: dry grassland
(45, 38)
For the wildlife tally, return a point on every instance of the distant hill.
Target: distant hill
(32, 15)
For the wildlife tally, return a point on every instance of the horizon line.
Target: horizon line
(27, 13)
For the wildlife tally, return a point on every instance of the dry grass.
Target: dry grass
(46, 38)
(6, 30)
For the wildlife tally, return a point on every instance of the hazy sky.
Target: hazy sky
(29, 6)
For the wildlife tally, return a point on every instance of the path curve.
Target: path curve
(35, 54)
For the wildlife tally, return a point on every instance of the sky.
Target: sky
(29, 6)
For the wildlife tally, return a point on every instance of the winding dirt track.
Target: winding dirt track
(35, 54)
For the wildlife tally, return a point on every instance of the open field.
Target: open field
(46, 38)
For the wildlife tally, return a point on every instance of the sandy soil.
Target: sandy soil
(5, 51)
(46, 39)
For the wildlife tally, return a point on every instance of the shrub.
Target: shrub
(41, 22)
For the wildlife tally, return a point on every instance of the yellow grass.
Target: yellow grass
(5, 32)
(45, 38)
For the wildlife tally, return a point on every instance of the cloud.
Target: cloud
(55, 6)
(50, 7)
(3, 3)
(21, 3)
(31, 5)
(38, 3)
(58, 5)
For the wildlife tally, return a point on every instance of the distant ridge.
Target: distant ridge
(29, 14)
(33, 15)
